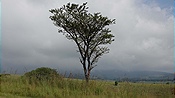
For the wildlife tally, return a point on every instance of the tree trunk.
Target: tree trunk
(87, 76)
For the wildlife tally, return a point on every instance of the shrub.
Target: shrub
(116, 83)
(4, 75)
(167, 83)
(42, 73)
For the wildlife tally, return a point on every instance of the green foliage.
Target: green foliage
(42, 73)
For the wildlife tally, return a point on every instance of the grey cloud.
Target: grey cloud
(143, 36)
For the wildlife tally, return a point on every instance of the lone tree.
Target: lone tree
(87, 30)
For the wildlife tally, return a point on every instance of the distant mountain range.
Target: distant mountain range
(132, 75)
(126, 75)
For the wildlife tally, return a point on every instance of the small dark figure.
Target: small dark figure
(116, 83)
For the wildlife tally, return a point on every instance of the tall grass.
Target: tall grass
(22, 87)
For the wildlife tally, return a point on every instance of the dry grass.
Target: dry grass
(19, 87)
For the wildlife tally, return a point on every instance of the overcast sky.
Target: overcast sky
(144, 35)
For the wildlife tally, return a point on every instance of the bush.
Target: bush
(42, 73)
(4, 75)
(167, 83)
(116, 83)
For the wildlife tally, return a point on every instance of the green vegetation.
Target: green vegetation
(15, 86)
(42, 73)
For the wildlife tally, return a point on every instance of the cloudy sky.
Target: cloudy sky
(144, 35)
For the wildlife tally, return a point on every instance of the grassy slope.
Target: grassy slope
(18, 87)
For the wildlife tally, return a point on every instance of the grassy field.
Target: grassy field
(15, 86)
